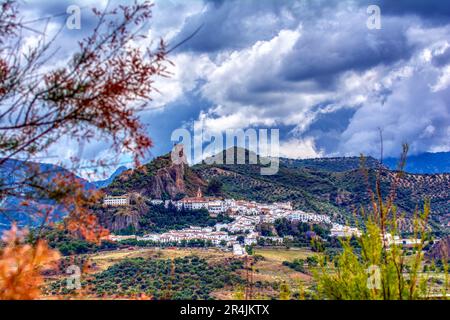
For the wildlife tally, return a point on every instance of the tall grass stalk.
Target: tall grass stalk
(378, 269)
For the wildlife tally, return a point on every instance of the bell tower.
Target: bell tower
(199, 193)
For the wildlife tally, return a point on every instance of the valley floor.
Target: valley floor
(267, 272)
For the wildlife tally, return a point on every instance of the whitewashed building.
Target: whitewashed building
(396, 240)
(339, 230)
(221, 226)
(276, 240)
(116, 201)
(305, 217)
(238, 250)
(243, 223)
(213, 205)
(156, 202)
(251, 239)
(117, 238)
(216, 206)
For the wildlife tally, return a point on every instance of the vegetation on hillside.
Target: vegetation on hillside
(154, 218)
(318, 188)
(302, 265)
(377, 269)
(69, 244)
(181, 278)
(161, 219)
(302, 233)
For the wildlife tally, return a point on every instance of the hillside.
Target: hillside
(440, 249)
(341, 164)
(13, 174)
(187, 277)
(337, 193)
(160, 179)
(311, 185)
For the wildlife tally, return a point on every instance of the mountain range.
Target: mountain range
(438, 162)
(13, 174)
(332, 186)
(104, 183)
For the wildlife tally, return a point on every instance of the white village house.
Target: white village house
(339, 230)
(116, 200)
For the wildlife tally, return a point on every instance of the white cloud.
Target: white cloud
(186, 71)
(412, 113)
(443, 81)
(247, 88)
(300, 149)
(289, 65)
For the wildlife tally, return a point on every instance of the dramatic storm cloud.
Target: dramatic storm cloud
(312, 69)
(317, 72)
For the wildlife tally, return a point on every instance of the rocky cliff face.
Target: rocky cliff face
(159, 179)
(116, 219)
(440, 250)
(167, 181)
(123, 218)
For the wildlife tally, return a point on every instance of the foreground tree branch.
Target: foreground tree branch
(99, 93)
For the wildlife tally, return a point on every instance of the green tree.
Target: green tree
(214, 187)
(285, 291)
(378, 270)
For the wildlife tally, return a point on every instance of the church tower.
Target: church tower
(199, 193)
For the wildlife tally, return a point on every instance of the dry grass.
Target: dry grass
(281, 255)
(268, 271)
(103, 260)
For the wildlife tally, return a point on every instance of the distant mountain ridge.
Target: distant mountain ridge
(104, 183)
(332, 186)
(425, 163)
(336, 164)
(12, 172)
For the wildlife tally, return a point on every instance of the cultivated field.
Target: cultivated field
(267, 273)
(105, 259)
(281, 255)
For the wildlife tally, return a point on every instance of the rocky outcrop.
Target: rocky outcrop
(167, 181)
(159, 179)
(115, 219)
(440, 250)
(123, 217)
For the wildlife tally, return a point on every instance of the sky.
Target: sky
(312, 69)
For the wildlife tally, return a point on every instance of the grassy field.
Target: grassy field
(271, 272)
(268, 271)
(281, 255)
(105, 259)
